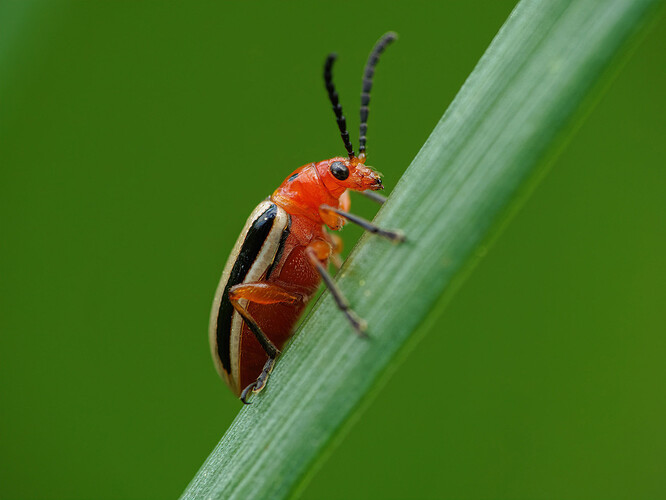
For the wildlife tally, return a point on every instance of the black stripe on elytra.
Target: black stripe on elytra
(280, 250)
(254, 240)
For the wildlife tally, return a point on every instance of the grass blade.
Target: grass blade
(499, 129)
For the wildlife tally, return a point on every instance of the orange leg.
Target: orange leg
(319, 251)
(338, 244)
(345, 201)
(260, 293)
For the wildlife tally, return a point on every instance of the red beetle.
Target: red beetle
(282, 253)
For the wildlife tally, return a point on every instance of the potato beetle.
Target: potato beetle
(283, 252)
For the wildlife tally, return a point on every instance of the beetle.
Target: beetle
(282, 254)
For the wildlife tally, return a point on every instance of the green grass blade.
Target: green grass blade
(501, 126)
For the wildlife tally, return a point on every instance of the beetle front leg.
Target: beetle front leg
(260, 293)
(338, 245)
(372, 195)
(395, 236)
(318, 251)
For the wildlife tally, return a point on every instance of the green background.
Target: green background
(136, 137)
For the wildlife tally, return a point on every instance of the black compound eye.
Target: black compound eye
(339, 170)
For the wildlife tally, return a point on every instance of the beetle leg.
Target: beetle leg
(376, 197)
(345, 201)
(247, 391)
(338, 244)
(265, 342)
(260, 293)
(395, 236)
(258, 384)
(317, 251)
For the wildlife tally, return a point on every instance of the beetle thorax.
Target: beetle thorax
(304, 191)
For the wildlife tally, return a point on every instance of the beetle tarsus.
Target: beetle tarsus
(360, 325)
(395, 236)
(260, 383)
(246, 392)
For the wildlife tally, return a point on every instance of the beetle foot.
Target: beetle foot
(260, 383)
(249, 389)
(360, 325)
(393, 235)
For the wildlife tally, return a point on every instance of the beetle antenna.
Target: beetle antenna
(337, 108)
(368, 73)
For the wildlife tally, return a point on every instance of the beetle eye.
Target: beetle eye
(339, 170)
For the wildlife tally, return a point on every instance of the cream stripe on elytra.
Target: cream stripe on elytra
(262, 262)
(212, 329)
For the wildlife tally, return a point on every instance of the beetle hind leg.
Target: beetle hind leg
(260, 293)
(260, 383)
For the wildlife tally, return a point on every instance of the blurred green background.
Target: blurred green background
(136, 137)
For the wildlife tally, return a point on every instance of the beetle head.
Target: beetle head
(339, 173)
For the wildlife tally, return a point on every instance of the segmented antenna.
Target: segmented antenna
(368, 73)
(337, 108)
